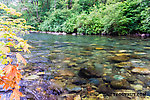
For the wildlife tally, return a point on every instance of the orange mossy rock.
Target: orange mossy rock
(99, 48)
(140, 70)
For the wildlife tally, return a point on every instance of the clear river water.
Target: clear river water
(66, 67)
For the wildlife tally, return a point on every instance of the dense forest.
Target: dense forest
(114, 17)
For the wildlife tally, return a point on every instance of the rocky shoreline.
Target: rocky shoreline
(143, 35)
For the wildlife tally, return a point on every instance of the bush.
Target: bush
(55, 20)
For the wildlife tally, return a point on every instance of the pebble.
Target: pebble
(137, 87)
(66, 72)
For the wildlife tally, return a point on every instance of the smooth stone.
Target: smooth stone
(66, 72)
(120, 84)
(131, 79)
(77, 97)
(94, 81)
(140, 70)
(107, 70)
(108, 78)
(59, 84)
(89, 48)
(32, 77)
(99, 48)
(148, 83)
(118, 77)
(74, 88)
(103, 88)
(140, 53)
(79, 81)
(119, 58)
(123, 65)
(72, 64)
(89, 73)
(122, 51)
(40, 73)
(137, 87)
(122, 54)
(56, 51)
(66, 61)
(148, 93)
(80, 61)
(98, 66)
(147, 48)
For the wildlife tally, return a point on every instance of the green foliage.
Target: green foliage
(55, 20)
(114, 17)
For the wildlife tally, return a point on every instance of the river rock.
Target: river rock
(89, 48)
(119, 58)
(140, 70)
(137, 87)
(124, 65)
(89, 73)
(77, 97)
(103, 88)
(66, 72)
(118, 77)
(120, 84)
(85, 53)
(56, 51)
(94, 81)
(73, 88)
(32, 77)
(59, 84)
(131, 79)
(72, 65)
(79, 81)
(108, 78)
(66, 61)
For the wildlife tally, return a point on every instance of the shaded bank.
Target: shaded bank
(63, 33)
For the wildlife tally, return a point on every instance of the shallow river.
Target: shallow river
(86, 68)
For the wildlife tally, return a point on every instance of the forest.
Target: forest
(112, 17)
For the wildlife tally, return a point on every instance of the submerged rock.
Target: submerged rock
(89, 73)
(131, 79)
(120, 84)
(32, 77)
(119, 58)
(103, 88)
(124, 65)
(108, 78)
(73, 88)
(66, 72)
(79, 81)
(140, 70)
(56, 51)
(94, 81)
(137, 87)
(118, 77)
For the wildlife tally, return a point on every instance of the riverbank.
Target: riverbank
(143, 35)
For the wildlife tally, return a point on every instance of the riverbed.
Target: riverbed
(66, 67)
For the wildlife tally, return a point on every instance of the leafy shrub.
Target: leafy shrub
(10, 30)
(55, 20)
